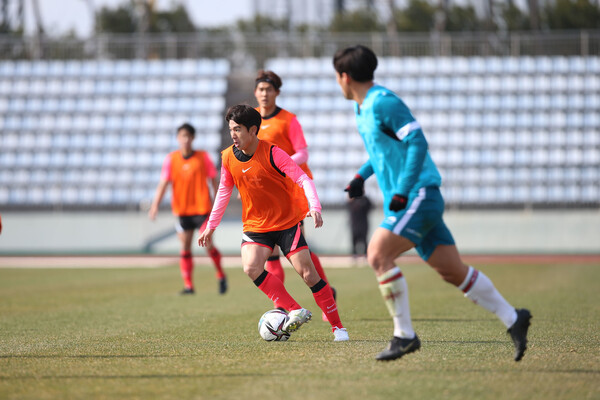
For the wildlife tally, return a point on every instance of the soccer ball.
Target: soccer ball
(270, 326)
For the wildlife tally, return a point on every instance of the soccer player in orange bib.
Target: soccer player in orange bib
(189, 171)
(267, 178)
(282, 128)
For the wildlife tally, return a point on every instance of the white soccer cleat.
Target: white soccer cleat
(296, 319)
(340, 335)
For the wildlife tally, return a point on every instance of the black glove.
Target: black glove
(356, 187)
(398, 202)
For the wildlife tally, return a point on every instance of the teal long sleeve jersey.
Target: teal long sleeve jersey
(397, 148)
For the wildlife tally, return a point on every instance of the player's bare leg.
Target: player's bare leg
(302, 263)
(446, 260)
(215, 256)
(253, 261)
(186, 262)
(319, 268)
(383, 250)
(273, 265)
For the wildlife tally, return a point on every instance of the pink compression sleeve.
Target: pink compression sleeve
(300, 156)
(211, 171)
(296, 134)
(291, 169)
(221, 199)
(165, 173)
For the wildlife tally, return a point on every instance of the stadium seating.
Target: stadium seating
(95, 133)
(504, 131)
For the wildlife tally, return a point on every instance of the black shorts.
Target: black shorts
(190, 222)
(290, 240)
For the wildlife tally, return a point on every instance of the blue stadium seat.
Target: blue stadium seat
(155, 68)
(73, 67)
(495, 125)
(122, 69)
(7, 69)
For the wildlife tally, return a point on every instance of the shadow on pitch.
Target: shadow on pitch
(91, 356)
(461, 320)
(142, 376)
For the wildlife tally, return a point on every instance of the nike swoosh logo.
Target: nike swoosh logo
(330, 307)
(407, 347)
(265, 126)
(244, 170)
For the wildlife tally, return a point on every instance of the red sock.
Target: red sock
(318, 266)
(186, 265)
(274, 289)
(274, 267)
(215, 255)
(324, 298)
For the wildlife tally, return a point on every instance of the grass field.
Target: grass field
(126, 334)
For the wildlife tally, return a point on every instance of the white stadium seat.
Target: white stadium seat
(500, 128)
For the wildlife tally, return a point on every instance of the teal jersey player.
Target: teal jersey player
(399, 157)
(413, 207)
(397, 148)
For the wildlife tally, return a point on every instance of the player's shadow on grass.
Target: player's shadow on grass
(431, 319)
(6, 356)
(245, 375)
(141, 376)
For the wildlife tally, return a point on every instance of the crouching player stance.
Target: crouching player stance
(266, 178)
(413, 206)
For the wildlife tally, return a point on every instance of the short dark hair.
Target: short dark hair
(357, 61)
(269, 77)
(188, 127)
(244, 115)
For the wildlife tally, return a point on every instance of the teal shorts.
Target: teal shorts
(421, 221)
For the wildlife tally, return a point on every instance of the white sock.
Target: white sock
(395, 294)
(480, 289)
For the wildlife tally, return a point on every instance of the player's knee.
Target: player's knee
(253, 271)
(309, 275)
(376, 260)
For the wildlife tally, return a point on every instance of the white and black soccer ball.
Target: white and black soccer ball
(270, 326)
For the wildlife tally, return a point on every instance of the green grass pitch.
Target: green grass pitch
(126, 334)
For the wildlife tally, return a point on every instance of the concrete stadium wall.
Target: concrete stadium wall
(476, 232)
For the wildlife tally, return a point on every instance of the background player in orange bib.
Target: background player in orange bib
(189, 171)
(266, 178)
(282, 128)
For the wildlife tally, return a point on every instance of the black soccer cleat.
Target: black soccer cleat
(187, 291)
(222, 285)
(518, 332)
(399, 347)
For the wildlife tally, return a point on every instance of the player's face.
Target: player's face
(241, 136)
(185, 139)
(342, 80)
(265, 95)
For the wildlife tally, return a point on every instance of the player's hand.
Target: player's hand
(205, 238)
(152, 213)
(398, 202)
(356, 187)
(317, 217)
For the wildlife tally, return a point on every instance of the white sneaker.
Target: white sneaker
(340, 335)
(296, 318)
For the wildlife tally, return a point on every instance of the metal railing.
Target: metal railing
(254, 49)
